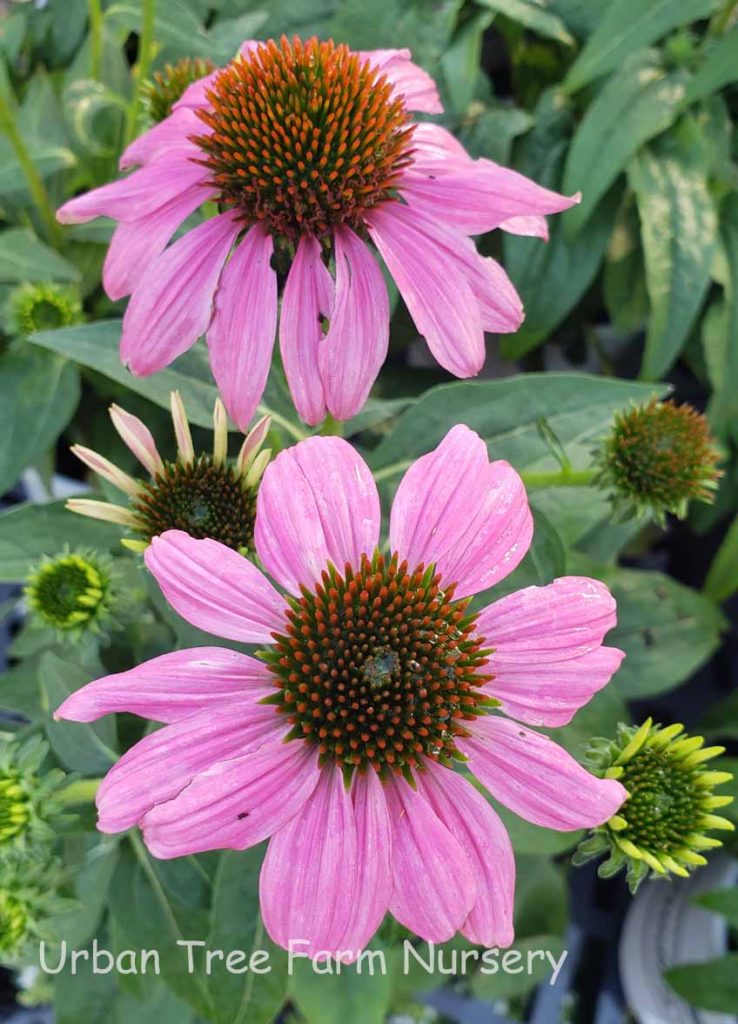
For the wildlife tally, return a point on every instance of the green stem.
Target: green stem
(96, 38)
(145, 54)
(331, 427)
(83, 791)
(558, 478)
(34, 181)
(722, 19)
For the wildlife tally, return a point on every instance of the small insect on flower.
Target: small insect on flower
(657, 458)
(375, 681)
(671, 802)
(168, 85)
(41, 307)
(204, 495)
(73, 592)
(28, 801)
(319, 170)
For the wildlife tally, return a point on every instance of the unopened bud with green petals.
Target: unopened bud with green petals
(72, 592)
(671, 804)
(41, 307)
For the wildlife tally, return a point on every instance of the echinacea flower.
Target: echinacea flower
(168, 85)
(374, 678)
(310, 153)
(661, 828)
(203, 494)
(42, 306)
(656, 459)
(28, 797)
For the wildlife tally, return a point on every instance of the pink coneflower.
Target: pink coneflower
(310, 153)
(339, 741)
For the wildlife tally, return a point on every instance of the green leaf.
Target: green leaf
(667, 631)
(722, 579)
(350, 993)
(96, 346)
(38, 394)
(636, 104)
(28, 532)
(679, 232)
(578, 408)
(720, 333)
(720, 68)
(235, 924)
(24, 258)
(627, 26)
(534, 15)
(720, 721)
(89, 749)
(552, 277)
(156, 904)
(723, 902)
(712, 985)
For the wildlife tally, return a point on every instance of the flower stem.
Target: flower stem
(82, 791)
(96, 38)
(145, 54)
(331, 427)
(36, 187)
(723, 18)
(558, 478)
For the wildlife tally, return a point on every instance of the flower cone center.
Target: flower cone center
(305, 136)
(380, 666)
(664, 806)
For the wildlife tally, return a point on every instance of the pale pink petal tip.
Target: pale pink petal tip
(138, 438)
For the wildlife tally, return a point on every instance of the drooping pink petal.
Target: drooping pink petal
(241, 335)
(547, 660)
(455, 510)
(215, 588)
(434, 882)
(479, 197)
(317, 503)
(472, 821)
(160, 765)
(533, 226)
(137, 195)
(353, 350)
(434, 285)
(172, 686)
(172, 305)
(410, 81)
(536, 778)
(308, 879)
(137, 243)
(374, 860)
(308, 296)
(236, 803)
(499, 303)
(173, 132)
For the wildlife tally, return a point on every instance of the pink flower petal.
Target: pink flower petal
(434, 882)
(499, 303)
(138, 439)
(172, 306)
(410, 81)
(241, 336)
(215, 588)
(374, 875)
(436, 146)
(160, 765)
(533, 226)
(137, 243)
(172, 687)
(536, 778)
(308, 879)
(138, 195)
(352, 352)
(236, 803)
(434, 285)
(173, 132)
(479, 197)
(466, 516)
(548, 661)
(317, 503)
(308, 296)
(471, 820)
